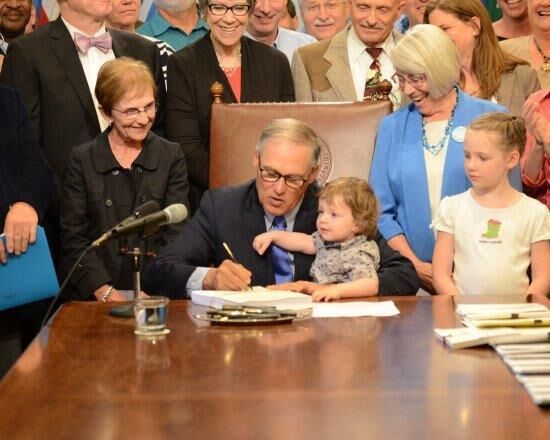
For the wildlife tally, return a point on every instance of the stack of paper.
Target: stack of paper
(502, 311)
(531, 365)
(498, 324)
(538, 388)
(465, 337)
(523, 332)
(355, 308)
(282, 299)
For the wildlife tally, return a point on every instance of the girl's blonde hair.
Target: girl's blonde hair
(359, 196)
(509, 129)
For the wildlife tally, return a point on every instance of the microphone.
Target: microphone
(172, 214)
(141, 211)
(147, 208)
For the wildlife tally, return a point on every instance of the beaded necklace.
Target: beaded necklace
(545, 63)
(436, 148)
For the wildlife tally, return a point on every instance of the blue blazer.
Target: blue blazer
(398, 173)
(25, 176)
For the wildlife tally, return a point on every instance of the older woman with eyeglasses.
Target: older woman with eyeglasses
(249, 72)
(110, 176)
(419, 156)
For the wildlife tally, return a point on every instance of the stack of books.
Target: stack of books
(498, 324)
(520, 333)
(530, 363)
(281, 299)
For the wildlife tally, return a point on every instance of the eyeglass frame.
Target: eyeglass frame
(400, 80)
(152, 105)
(228, 8)
(279, 175)
(329, 6)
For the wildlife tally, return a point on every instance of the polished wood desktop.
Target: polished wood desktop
(87, 376)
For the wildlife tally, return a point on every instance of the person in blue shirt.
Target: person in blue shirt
(176, 22)
(419, 155)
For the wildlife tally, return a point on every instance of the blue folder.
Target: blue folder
(28, 277)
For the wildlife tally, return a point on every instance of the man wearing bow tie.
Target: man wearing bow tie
(55, 68)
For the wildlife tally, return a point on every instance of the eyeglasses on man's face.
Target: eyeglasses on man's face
(133, 113)
(271, 176)
(238, 10)
(329, 6)
(413, 80)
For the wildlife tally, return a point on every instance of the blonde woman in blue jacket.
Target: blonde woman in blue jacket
(419, 156)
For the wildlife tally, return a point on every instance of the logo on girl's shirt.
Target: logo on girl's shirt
(493, 229)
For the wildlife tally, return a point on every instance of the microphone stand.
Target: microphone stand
(127, 310)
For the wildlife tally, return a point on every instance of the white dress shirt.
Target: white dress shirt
(288, 41)
(360, 61)
(91, 63)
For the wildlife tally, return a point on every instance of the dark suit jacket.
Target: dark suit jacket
(94, 201)
(234, 215)
(266, 77)
(25, 175)
(45, 68)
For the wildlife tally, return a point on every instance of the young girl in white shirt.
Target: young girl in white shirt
(489, 235)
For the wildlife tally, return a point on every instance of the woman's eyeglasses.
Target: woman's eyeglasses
(413, 80)
(133, 113)
(238, 10)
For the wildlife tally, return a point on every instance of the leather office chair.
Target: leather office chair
(347, 130)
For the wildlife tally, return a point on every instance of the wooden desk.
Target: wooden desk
(89, 377)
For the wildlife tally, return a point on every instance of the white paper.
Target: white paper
(359, 308)
(282, 299)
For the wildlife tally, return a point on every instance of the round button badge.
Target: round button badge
(459, 133)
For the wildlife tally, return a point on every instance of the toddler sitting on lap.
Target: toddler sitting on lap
(346, 256)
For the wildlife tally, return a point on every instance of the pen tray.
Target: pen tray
(245, 321)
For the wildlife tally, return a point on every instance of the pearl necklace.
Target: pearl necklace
(436, 148)
(230, 71)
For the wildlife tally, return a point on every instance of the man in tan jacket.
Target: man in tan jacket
(337, 69)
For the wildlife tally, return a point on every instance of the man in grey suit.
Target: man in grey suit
(339, 68)
(56, 79)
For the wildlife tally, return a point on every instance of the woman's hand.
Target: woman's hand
(424, 271)
(536, 123)
(115, 295)
(20, 230)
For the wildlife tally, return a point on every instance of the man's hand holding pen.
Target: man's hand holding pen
(228, 276)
